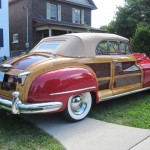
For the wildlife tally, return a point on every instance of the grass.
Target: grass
(17, 134)
(132, 110)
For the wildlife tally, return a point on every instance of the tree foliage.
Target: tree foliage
(140, 41)
(128, 17)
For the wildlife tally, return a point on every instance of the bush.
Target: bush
(141, 39)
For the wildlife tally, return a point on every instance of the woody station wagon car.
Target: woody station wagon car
(68, 73)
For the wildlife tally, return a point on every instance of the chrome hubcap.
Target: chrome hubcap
(78, 104)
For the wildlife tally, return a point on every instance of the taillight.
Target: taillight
(10, 83)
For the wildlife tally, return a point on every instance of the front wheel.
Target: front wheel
(78, 107)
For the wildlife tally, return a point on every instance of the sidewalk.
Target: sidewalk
(91, 134)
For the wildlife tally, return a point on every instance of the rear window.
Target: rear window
(48, 46)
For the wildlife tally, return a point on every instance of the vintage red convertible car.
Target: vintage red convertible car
(68, 73)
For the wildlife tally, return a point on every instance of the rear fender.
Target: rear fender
(59, 85)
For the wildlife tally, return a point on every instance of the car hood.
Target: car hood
(23, 62)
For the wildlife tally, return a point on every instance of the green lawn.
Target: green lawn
(16, 134)
(132, 110)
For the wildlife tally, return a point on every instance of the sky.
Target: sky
(105, 12)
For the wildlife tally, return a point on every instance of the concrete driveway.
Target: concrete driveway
(91, 134)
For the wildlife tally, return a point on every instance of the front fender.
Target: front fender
(59, 85)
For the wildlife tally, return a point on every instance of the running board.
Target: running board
(124, 94)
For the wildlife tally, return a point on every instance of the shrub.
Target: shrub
(141, 39)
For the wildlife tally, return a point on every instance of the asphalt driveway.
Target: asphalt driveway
(92, 134)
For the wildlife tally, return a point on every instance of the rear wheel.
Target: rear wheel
(78, 106)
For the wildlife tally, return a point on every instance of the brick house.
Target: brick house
(32, 20)
(4, 29)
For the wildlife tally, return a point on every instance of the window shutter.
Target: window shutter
(1, 38)
(0, 4)
(82, 16)
(59, 12)
(73, 15)
(48, 10)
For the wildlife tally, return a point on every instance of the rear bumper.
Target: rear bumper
(17, 107)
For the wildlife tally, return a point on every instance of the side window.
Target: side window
(113, 48)
(0, 4)
(102, 48)
(119, 48)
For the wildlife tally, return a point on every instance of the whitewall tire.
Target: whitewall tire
(78, 106)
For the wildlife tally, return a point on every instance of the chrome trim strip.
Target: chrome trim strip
(73, 91)
(17, 107)
(5, 67)
(124, 94)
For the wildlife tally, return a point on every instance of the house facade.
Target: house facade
(4, 29)
(32, 20)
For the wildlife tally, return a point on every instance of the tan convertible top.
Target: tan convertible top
(81, 44)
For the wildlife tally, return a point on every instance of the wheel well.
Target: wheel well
(93, 94)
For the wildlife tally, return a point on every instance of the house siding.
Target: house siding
(18, 24)
(38, 10)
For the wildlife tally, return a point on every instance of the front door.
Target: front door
(127, 75)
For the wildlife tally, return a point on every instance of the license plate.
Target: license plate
(1, 76)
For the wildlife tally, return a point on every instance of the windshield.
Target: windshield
(48, 47)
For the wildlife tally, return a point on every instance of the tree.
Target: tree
(140, 41)
(128, 17)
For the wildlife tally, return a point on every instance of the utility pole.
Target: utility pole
(27, 25)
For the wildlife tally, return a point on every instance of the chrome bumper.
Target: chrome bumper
(17, 107)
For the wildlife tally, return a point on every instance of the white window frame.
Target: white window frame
(75, 18)
(15, 38)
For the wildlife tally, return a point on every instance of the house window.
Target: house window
(82, 17)
(53, 11)
(76, 16)
(1, 38)
(59, 12)
(15, 38)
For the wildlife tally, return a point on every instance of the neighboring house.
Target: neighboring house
(32, 20)
(4, 29)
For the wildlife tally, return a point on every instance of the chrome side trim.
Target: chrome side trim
(124, 94)
(73, 91)
(17, 107)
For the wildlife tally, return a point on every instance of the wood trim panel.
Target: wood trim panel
(127, 88)
(102, 79)
(127, 75)
(101, 69)
(120, 82)
(103, 85)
